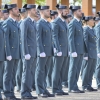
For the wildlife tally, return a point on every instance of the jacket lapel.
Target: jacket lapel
(79, 24)
(15, 24)
(32, 23)
(46, 23)
(92, 32)
(63, 23)
(1, 26)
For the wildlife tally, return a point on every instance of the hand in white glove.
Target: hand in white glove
(74, 54)
(27, 57)
(69, 53)
(59, 54)
(55, 50)
(98, 55)
(85, 58)
(42, 54)
(9, 58)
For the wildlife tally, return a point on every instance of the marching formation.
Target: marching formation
(37, 54)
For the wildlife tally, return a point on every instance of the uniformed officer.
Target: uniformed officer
(65, 70)
(2, 55)
(98, 13)
(12, 51)
(3, 17)
(5, 14)
(53, 16)
(60, 39)
(23, 14)
(44, 51)
(84, 23)
(69, 18)
(89, 68)
(28, 32)
(77, 49)
(97, 70)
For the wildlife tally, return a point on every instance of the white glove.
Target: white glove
(59, 54)
(69, 53)
(98, 55)
(42, 54)
(9, 58)
(85, 58)
(27, 57)
(74, 54)
(55, 50)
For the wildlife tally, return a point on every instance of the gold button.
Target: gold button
(20, 43)
(92, 37)
(5, 46)
(60, 45)
(28, 45)
(12, 47)
(14, 31)
(44, 45)
(79, 30)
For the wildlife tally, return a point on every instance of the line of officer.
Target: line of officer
(12, 39)
(28, 32)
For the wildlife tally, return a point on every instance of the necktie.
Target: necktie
(49, 24)
(80, 22)
(16, 22)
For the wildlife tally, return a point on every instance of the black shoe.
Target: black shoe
(76, 91)
(50, 95)
(90, 89)
(1, 99)
(28, 97)
(65, 93)
(11, 98)
(93, 89)
(43, 95)
(58, 94)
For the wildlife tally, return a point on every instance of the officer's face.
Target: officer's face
(0, 13)
(56, 15)
(69, 19)
(15, 12)
(34, 12)
(79, 13)
(5, 16)
(46, 13)
(65, 12)
(25, 14)
(91, 22)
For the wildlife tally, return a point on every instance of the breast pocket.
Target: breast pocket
(78, 32)
(13, 34)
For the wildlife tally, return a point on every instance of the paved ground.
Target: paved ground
(84, 96)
